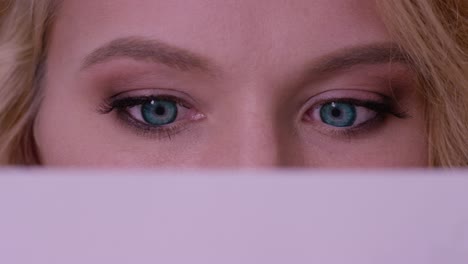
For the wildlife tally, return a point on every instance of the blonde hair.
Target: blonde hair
(23, 41)
(433, 32)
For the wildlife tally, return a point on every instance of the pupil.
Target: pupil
(160, 110)
(336, 112)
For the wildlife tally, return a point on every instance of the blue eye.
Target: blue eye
(159, 112)
(338, 114)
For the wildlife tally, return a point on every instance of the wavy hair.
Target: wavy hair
(24, 26)
(435, 34)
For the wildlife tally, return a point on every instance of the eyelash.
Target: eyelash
(382, 109)
(122, 105)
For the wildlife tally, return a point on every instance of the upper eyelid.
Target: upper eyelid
(144, 99)
(155, 92)
(112, 103)
(353, 101)
(375, 94)
(348, 95)
(383, 106)
(180, 97)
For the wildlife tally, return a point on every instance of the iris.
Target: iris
(338, 114)
(159, 112)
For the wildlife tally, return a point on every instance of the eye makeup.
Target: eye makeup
(348, 113)
(155, 115)
(353, 111)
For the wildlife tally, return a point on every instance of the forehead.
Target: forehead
(231, 31)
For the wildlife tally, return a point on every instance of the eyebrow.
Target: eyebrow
(142, 49)
(368, 54)
(150, 50)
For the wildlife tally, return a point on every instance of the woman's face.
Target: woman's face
(234, 83)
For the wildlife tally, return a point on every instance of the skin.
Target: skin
(259, 68)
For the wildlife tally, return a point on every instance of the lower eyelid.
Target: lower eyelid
(348, 133)
(141, 129)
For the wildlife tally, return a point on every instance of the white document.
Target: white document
(233, 217)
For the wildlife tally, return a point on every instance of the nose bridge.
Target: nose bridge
(254, 134)
(259, 141)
